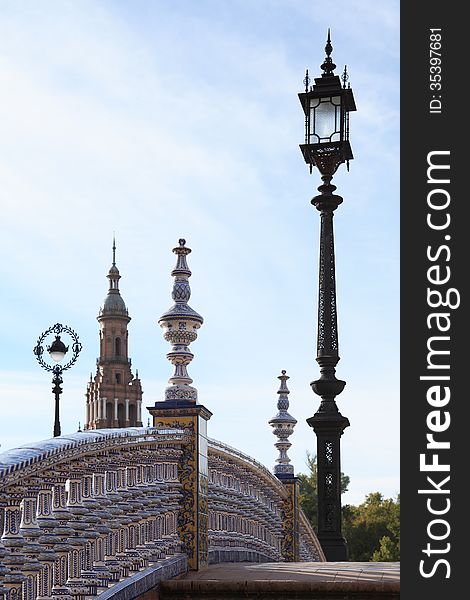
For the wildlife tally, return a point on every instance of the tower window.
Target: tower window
(118, 377)
(109, 414)
(132, 415)
(121, 415)
(117, 346)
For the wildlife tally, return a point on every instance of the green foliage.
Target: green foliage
(371, 529)
(389, 550)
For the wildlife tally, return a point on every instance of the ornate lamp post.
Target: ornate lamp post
(326, 106)
(57, 350)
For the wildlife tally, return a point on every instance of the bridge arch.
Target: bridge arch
(82, 512)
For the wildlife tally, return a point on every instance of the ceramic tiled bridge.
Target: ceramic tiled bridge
(113, 512)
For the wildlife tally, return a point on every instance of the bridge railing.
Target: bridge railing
(248, 512)
(80, 513)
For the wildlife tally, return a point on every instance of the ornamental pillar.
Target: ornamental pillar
(283, 426)
(180, 410)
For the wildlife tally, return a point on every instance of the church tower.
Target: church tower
(114, 396)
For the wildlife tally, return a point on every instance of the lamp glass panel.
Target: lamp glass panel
(325, 120)
(57, 356)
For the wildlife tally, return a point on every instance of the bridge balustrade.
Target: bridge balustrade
(246, 508)
(247, 511)
(80, 513)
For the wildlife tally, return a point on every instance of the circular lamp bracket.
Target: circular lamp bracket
(55, 330)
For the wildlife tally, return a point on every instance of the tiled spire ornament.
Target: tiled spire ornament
(180, 324)
(180, 410)
(283, 426)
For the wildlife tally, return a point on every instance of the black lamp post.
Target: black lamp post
(326, 106)
(57, 350)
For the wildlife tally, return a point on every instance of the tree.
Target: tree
(308, 490)
(372, 529)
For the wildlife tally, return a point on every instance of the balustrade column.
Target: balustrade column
(21, 556)
(119, 495)
(44, 516)
(147, 512)
(76, 554)
(59, 499)
(153, 485)
(12, 537)
(81, 579)
(29, 525)
(30, 530)
(54, 534)
(92, 567)
(136, 549)
(112, 539)
(99, 496)
(11, 578)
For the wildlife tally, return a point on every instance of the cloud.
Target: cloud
(118, 122)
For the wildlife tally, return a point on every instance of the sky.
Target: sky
(155, 120)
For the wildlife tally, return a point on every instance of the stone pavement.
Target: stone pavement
(364, 580)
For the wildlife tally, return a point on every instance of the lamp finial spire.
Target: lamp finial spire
(345, 76)
(306, 81)
(328, 65)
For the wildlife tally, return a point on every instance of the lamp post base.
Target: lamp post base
(328, 425)
(335, 549)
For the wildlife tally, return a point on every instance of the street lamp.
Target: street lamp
(327, 105)
(57, 351)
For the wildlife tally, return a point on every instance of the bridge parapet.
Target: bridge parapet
(81, 513)
(245, 503)
(249, 509)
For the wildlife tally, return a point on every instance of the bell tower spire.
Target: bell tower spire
(114, 395)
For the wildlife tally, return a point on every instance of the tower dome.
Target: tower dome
(113, 304)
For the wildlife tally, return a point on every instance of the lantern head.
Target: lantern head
(327, 105)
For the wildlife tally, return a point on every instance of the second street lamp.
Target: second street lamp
(326, 106)
(57, 351)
